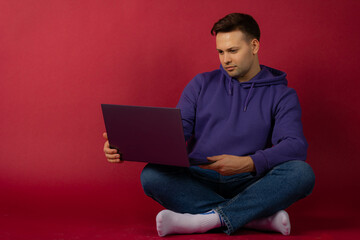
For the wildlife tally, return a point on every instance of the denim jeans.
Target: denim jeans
(238, 199)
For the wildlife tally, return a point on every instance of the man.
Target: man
(244, 119)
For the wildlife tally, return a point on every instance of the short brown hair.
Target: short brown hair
(237, 21)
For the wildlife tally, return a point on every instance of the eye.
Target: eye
(233, 51)
(220, 52)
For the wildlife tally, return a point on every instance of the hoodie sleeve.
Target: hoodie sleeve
(187, 104)
(287, 139)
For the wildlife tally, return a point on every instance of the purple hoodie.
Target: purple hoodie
(260, 118)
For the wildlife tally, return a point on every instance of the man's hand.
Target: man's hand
(230, 165)
(112, 155)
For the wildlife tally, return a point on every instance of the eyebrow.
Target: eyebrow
(231, 48)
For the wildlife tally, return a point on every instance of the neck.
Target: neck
(255, 69)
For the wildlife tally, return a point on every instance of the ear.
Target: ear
(255, 45)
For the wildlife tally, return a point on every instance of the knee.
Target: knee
(147, 177)
(155, 177)
(302, 176)
(306, 175)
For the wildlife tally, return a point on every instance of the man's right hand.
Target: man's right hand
(112, 155)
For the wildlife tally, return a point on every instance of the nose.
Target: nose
(227, 58)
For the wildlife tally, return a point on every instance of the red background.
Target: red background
(59, 60)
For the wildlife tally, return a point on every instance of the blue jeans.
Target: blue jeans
(238, 199)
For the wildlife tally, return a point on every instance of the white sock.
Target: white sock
(169, 222)
(279, 222)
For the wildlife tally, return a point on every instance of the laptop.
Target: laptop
(148, 134)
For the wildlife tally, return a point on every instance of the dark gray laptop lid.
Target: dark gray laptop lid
(146, 134)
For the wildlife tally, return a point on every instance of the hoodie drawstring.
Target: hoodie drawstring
(248, 96)
(230, 87)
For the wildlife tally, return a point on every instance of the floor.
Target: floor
(64, 227)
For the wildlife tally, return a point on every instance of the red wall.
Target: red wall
(59, 60)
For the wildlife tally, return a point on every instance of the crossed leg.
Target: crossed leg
(258, 206)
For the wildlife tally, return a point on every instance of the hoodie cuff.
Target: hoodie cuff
(260, 162)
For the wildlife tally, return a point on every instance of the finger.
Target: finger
(115, 161)
(105, 135)
(204, 166)
(112, 156)
(211, 166)
(107, 144)
(110, 151)
(215, 158)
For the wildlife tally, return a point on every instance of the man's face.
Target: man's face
(237, 54)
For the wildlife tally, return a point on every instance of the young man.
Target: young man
(245, 119)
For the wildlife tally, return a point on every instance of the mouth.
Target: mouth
(230, 68)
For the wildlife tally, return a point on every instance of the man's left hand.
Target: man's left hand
(230, 165)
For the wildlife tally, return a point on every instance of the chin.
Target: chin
(234, 75)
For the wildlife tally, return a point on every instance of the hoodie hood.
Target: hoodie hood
(266, 77)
